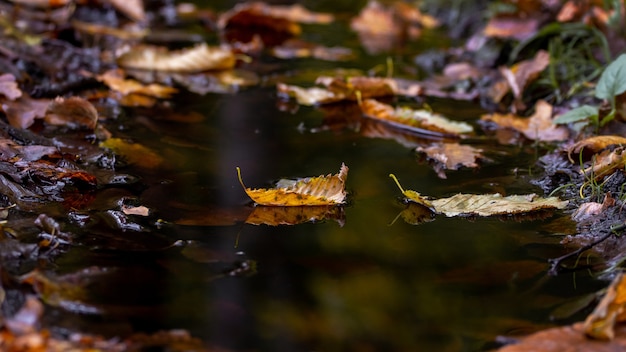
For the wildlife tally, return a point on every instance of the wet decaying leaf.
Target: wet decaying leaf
(289, 215)
(195, 59)
(605, 163)
(538, 127)
(451, 156)
(310, 191)
(494, 204)
(338, 89)
(417, 121)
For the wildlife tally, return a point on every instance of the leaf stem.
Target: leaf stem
(397, 182)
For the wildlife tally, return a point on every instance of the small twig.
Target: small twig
(555, 263)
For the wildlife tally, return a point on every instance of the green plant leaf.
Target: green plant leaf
(613, 79)
(580, 113)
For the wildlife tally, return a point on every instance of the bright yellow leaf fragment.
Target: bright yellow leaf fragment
(310, 191)
(412, 196)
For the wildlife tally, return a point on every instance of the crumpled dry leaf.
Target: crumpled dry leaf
(73, 112)
(310, 191)
(115, 80)
(589, 210)
(539, 126)
(22, 112)
(287, 215)
(451, 156)
(339, 89)
(494, 204)
(195, 59)
(605, 163)
(127, 32)
(418, 121)
(592, 145)
(134, 153)
(519, 76)
(601, 322)
(8, 87)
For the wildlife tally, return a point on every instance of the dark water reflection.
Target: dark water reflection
(369, 285)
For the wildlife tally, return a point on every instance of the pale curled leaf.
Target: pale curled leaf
(339, 89)
(115, 80)
(494, 204)
(419, 121)
(74, 112)
(310, 191)
(196, 59)
(8, 87)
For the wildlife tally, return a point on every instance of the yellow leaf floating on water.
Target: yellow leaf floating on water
(494, 204)
(133, 153)
(310, 191)
(412, 196)
(611, 310)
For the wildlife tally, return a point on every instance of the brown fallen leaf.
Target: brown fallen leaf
(73, 112)
(418, 121)
(451, 156)
(494, 204)
(382, 28)
(310, 191)
(518, 77)
(272, 24)
(140, 210)
(287, 215)
(611, 310)
(128, 32)
(539, 126)
(195, 59)
(8, 87)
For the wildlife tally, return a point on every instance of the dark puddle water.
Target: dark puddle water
(362, 282)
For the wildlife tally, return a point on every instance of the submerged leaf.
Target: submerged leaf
(451, 156)
(494, 204)
(419, 121)
(134, 153)
(196, 59)
(310, 191)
